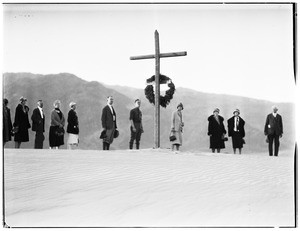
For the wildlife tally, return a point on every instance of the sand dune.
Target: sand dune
(147, 188)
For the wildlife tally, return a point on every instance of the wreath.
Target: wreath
(164, 100)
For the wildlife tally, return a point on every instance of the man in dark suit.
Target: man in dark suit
(38, 125)
(136, 127)
(273, 130)
(109, 122)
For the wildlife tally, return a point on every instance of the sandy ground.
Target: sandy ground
(147, 188)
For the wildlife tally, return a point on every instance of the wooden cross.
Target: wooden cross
(157, 57)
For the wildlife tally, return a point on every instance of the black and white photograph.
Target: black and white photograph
(149, 115)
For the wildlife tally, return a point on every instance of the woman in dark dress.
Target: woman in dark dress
(216, 131)
(56, 133)
(21, 123)
(7, 124)
(236, 131)
(73, 127)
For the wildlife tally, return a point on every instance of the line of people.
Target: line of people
(19, 129)
(216, 130)
(273, 129)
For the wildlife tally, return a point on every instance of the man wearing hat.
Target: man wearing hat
(273, 130)
(38, 125)
(216, 131)
(236, 131)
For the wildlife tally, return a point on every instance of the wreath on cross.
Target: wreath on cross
(164, 100)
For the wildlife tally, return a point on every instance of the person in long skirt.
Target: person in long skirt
(21, 123)
(177, 127)
(7, 124)
(56, 133)
(216, 131)
(73, 127)
(236, 131)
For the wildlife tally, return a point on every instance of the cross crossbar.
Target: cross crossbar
(162, 55)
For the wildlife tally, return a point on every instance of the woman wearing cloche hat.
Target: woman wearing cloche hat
(216, 131)
(21, 123)
(176, 128)
(73, 127)
(236, 131)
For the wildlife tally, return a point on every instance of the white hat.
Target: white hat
(72, 104)
(236, 110)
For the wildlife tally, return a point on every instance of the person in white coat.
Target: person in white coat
(177, 127)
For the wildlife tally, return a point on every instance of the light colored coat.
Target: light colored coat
(176, 126)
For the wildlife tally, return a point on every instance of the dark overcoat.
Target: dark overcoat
(273, 125)
(237, 136)
(38, 123)
(7, 124)
(22, 121)
(107, 118)
(240, 127)
(215, 131)
(72, 122)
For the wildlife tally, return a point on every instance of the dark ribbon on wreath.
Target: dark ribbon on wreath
(164, 100)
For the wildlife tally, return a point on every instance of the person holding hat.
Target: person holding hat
(136, 126)
(38, 125)
(236, 131)
(177, 127)
(216, 131)
(56, 132)
(273, 130)
(73, 127)
(109, 122)
(21, 123)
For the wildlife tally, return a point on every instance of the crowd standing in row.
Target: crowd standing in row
(216, 130)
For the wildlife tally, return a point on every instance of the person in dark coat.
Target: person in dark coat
(236, 131)
(216, 131)
(273, 130)
(21, 123)
(109, 122)
(7, 124)
(38, 125)
(73, 127)
(136, 126)
(56, 132)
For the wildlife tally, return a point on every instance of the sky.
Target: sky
(238, 49)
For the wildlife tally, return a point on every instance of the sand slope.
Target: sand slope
(147, 188)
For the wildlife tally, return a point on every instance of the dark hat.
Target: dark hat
(103, 134)
(216, 110)
(180, 105)
(236, 110)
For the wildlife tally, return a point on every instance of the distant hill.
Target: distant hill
(91, 98)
